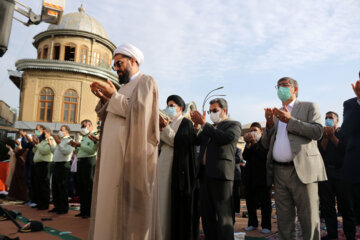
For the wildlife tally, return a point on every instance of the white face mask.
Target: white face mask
(84, 131)
(215, 117)
(257, 135)
(61, 134)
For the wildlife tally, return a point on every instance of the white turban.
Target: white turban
(131, 51)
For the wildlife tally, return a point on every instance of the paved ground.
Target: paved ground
(79, 227)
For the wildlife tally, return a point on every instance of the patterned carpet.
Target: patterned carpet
(341, 235)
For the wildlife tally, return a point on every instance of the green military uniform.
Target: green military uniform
(42, 159)
(85, 170)
(61, 159)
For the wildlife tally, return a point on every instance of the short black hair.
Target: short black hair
(67, 128)
(331, 112)
(222, 103)
(86, 121)
(256, 124)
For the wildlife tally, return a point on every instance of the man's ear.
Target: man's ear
(296, 89)
(133, 61)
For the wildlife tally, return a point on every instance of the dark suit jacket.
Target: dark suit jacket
(351, 131)
(220, 145)
(255, 168)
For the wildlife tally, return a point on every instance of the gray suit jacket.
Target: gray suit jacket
(304, 129)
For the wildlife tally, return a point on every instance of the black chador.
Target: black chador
(184, 185)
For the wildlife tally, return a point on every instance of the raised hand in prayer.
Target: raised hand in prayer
(8, 147)
(269, 116)
(103, 91)
(35, 140)
(249, 139)
(57, 139)
(282, 115)
(163, 122)
(356, 88)
(197, 118)
(74, 144)
(93, 138)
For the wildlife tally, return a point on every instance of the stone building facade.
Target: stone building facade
(55, 87)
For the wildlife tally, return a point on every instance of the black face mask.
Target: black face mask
(125, 77)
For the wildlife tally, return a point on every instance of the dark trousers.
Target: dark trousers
(216, 208)
(355, 193)
(28, 168)
(59, 185)
(42, 184)
(333, 191)
(256, 195)
(236, 195)
(85, 171)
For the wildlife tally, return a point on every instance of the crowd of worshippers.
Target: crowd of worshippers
(157, 174)
(40, 158)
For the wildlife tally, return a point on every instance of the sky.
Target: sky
(192, 47)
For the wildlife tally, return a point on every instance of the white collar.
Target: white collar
(134, 76)
(291, 105)
(176, 120)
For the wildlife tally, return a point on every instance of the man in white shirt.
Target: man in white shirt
(62, 158)
(294, 163)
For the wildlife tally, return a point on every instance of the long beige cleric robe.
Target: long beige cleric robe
(126, 206)
(167, 136)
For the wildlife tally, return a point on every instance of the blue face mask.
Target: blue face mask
(171, 111)
(284, 93)
(329, 122)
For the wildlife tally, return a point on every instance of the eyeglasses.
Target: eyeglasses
(117, 65)
(172, 105)
(283, 85)
(215, 110)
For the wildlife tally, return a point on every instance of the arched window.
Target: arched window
(83, 54)
(70, 105)
(96, 58)
(105, 61)
(46, 102)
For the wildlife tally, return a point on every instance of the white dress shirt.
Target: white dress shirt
(282, 150)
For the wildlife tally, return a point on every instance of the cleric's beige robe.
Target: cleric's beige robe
(167, 136)
(125, 205)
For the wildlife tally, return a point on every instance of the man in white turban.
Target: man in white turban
(125, 205)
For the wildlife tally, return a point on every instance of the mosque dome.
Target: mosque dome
(80, 21)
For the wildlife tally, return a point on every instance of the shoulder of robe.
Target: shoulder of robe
(148, 81)
(187, 121)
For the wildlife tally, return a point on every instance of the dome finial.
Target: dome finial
(81, 8)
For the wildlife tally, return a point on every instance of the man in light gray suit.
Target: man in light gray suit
(294, 163)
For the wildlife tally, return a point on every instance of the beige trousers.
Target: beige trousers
(293, 197)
